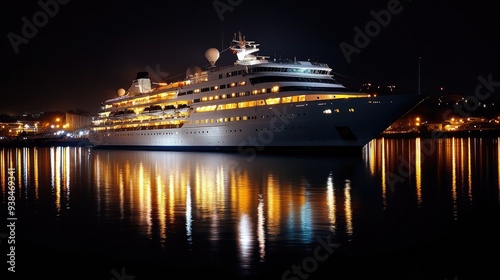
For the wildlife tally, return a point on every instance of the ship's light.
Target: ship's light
(327, 111)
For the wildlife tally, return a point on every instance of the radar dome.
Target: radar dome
(193, 70)
(121, 92)
(212, 55)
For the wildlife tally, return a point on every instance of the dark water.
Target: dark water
(406, 209)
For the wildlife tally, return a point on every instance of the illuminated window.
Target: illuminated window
(246, 104)
(228, 106)
(272, 101)
(275, 89)
(242, 83)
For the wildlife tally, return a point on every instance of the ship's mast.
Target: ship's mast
(244, 49)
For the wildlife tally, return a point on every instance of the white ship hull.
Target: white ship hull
(282, 127)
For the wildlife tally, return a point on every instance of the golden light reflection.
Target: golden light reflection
(273, 208)
(245, 240)
(67, 176)
(20, 170)
(145, 197)
(217, 209)
(121, 187)
(55, 164)
(36, 172)
(469, 169)
(61, 161)
(330, 202)
(189, 215)
(171, 198)
(97, 171)
(348, 208)
(25, 161)
(454, 179)
(261, 231)
(241, 196)
(161, 207)
(372, 149)
(383, 175)
(462, 164)
(418, 171)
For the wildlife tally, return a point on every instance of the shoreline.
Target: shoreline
(84, 142)
(441, 134)
(46, 142)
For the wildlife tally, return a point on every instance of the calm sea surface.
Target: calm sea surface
(405, 209)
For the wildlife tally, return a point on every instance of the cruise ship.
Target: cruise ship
(254, 105)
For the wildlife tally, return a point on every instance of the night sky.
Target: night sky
(86, 50)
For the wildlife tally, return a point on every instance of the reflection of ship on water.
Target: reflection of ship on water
(192, 197)
(214, 184)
